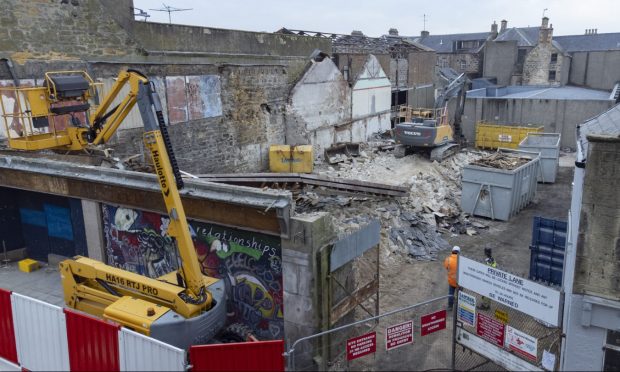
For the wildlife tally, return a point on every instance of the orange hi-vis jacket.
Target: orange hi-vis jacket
(450, 264)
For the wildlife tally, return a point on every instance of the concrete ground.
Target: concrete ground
(42, 284)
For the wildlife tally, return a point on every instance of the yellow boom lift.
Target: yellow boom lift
(183, 307)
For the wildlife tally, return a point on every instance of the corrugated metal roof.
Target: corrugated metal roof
(607, 123)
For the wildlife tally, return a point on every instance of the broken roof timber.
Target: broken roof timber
(247, 208)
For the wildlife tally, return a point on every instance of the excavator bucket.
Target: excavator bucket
(341, 151)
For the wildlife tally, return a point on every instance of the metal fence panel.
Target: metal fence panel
(418, 337)
(41, 334)
(93, 343)
(141, 353)
(8, 349)
(244, 356)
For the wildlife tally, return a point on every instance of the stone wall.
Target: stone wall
(538, 64)
(598, 245)
(468, 63)
(54, 30)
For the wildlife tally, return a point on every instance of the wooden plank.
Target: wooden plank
(345, 306)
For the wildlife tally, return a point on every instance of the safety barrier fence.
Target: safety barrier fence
(38, 336)
(417, 337)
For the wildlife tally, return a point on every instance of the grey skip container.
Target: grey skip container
(548, 144)
(497, 193)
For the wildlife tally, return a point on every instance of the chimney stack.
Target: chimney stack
(546, 32)
(393, 32)
(357, 33)
(493, 30)
(504, 25)
(424, 33)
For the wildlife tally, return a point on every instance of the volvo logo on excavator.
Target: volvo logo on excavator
(160, 173)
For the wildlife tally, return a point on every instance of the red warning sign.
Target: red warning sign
(433, 322)
(363, 345)
(399, 335)
(490, 329)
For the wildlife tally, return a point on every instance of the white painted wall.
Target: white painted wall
(318, 102)
(371, 101)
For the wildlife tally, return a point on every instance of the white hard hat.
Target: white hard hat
(456, 248)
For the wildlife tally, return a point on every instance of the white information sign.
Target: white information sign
(498, 355)
(548, 361)
(521, 343)
(466, 311)
(521, 294)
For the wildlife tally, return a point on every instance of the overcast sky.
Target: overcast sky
(374, 18)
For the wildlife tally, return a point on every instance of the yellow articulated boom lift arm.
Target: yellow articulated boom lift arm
(183, 307)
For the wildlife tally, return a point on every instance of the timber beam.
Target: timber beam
(266, 211)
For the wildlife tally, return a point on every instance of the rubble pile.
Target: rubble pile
(501, 160)
(413, 225)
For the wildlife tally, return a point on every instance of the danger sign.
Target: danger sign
(490, 329)
(433, 322)
(357, 347)
(399, 335)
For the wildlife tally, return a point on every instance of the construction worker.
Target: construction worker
(451, 263)
(490, 261)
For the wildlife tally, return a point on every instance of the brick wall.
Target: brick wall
(598, 245)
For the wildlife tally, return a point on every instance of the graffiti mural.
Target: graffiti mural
(249, 263)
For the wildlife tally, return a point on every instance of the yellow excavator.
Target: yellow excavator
(181, 308)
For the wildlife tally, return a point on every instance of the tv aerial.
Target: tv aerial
(169, 9)
(140, 13)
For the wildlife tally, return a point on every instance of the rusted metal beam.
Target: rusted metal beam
(235, 206)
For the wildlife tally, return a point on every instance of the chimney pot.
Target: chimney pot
(504, 25)
(545, 22)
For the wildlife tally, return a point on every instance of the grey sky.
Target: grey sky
(374, 18)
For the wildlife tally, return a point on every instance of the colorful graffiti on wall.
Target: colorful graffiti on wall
(249, 263)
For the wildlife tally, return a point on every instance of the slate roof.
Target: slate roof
(607, 123)
(539, 92)
(589, 43)
(380, 45)
(444, 43)
(524, 36)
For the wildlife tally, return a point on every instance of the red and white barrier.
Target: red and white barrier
(38, 336)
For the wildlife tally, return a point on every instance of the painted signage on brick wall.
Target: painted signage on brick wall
(490, 329)
(399, 335)
(433, 322)
(249, 263)
(357, 347)
(518, 293)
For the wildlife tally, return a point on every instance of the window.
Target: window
(463, 64)
(612, 352)
(551, 75)
(554, 57)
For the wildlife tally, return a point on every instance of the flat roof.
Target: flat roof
(539, 92)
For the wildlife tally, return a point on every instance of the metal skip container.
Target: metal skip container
(548, 145)
(500, 185)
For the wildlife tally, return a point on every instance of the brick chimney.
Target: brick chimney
(545, 35)
(424, 33)
(504, 25)
(493, 30)
(393, 32)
